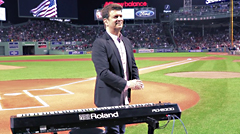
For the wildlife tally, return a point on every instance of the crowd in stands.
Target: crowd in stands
(141, 35)
(149, 35)
(194, 38)
(44, 30)
(146, 35)
(217, 8)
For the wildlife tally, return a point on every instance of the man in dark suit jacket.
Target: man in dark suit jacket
(115, 65)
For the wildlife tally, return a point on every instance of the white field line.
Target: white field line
(36, 97)
(168, 65)
(29, 94)
(89, 79)
(49, 88)
(12, 94)
(41, 101)
(65, 90)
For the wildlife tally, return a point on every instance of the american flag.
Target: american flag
(1, 2)
(48, 8)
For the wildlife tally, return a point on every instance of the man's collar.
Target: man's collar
(114, 36)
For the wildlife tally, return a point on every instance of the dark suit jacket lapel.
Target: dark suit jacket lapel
(115, 49)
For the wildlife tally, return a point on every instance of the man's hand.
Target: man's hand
(135, 84)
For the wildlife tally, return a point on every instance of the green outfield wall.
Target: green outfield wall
(51, 48)
(24, 48)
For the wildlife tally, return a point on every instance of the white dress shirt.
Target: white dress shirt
(122, 52)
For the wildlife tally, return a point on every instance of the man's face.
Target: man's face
(115, 20)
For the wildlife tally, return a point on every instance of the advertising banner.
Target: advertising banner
(146, 50)
(194, 50)
(28, 43)
(145, 13)
(56, 43)
(89, 52)
(163, 50)
(13, 45)
(2, 14)
(42, 44)
(70, 43)
(129, 4)
(13, 52)
(76, 52)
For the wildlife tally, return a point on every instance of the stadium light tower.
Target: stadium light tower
(187, 5)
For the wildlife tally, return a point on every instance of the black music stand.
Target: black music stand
(152, 125)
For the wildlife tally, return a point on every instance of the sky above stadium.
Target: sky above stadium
(86, 8)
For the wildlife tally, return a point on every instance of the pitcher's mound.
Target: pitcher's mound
(7, 67)
(206, 74)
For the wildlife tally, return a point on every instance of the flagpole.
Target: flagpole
(56, 7)
(231, 23)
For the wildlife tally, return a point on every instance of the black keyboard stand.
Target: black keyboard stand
(152, 125)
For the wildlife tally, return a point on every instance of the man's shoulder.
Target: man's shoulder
(104, 36)
(126, 39)
(100, 40)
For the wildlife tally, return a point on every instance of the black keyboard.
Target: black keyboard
(55, 121)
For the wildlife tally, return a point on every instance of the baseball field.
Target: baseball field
(205, 85)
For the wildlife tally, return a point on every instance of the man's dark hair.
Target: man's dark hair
(114, 6)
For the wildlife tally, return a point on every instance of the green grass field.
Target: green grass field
(215, 113)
